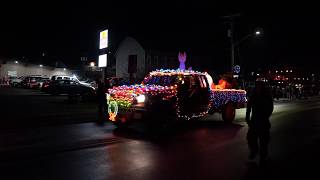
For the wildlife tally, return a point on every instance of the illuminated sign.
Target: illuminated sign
(236, 69)
(102, 60)
(103, 39)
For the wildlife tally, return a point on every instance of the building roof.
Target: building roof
(53, 62)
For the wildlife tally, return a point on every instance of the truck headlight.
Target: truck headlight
(141, 98)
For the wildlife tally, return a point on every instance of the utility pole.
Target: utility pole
(230, 22)
(232, 44)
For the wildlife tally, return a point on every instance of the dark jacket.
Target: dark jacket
(260, 107)
(101, 90)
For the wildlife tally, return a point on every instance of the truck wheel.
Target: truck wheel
(228, 113)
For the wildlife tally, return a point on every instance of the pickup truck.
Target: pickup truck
(167, 96)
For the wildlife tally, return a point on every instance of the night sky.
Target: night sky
(70, 30)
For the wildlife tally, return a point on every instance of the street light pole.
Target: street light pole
(230, 21)
(232, 44)
(257, 33)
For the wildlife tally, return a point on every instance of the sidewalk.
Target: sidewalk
(284, 100)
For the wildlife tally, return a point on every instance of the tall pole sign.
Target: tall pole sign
(103, 44)
(102, 62)
(104, 39)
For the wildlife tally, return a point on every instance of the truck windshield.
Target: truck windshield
(162, 80)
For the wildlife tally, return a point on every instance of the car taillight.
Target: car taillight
(46, 85)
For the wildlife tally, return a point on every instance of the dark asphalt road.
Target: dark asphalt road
(207, 149)
(30, 108)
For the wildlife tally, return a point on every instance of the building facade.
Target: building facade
(287, 79)
(12, 68)
(134, 61)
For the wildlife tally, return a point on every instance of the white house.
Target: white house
(135, 60)
(130, 59)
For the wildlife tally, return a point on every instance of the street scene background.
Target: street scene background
(69, 144)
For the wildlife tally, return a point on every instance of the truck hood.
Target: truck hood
(132, 91)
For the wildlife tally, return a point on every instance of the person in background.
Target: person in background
(101, 95)
(259, 110)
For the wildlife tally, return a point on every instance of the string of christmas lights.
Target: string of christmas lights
(124, 96)
(219, 97)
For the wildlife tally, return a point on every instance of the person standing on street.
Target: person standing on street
(259, 110)
(101, 95)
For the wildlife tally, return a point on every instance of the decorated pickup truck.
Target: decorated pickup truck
(165, 96)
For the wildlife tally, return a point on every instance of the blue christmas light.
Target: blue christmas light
(221, 97)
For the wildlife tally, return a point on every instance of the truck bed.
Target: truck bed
(220, 97)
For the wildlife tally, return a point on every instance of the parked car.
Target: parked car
(16, 81)
(73, 78)
(39, 83)
(60, 77)
(58, 87)
(90, 82)
(45, 85)
(30, 81)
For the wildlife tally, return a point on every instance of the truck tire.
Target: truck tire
(228, 113)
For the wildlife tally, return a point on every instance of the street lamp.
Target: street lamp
(258, 33)
(230, 20)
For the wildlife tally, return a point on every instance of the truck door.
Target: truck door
(189, 96)
(204, 93)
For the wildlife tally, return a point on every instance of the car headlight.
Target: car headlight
(141, 98)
